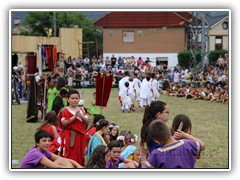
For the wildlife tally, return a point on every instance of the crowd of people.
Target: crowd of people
(70, 140)
(210, 83)
(73, 136)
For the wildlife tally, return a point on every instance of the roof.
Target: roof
(144, 19)
(215, 20)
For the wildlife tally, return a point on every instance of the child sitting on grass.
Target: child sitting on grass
(113, 131)
(99, 157)
(116, 159)
(130, 150)
(39, 156)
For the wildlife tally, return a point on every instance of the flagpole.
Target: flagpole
(102, 91)
(44, 100)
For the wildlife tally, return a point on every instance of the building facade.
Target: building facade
(219, 34)
(156, 35)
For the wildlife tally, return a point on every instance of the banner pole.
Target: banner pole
(44, 99)
(102, 91)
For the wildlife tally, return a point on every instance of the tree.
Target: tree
(36, 22)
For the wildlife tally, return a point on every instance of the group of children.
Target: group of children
(67, 141)
(208, 92)
(210, 84)
(132, 91)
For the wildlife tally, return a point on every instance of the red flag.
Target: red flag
(103, 88)
(54, 59)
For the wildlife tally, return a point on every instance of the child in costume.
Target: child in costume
(58, 101)
(174, 153)
(93, 109)
(92, 129)
(50, 124)
(182, 127)
(97, 138)
(74, 122)
(126, 99)
(51, 93)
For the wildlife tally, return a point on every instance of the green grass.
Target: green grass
(210, 124)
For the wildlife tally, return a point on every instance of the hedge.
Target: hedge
(214, 55)
(185, 59)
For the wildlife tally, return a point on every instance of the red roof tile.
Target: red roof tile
(144, 19)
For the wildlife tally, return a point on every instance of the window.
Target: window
(128, 36)
(225, 25)
(162, 60)
(111, 34)
(218, 42)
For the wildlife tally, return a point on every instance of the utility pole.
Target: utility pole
(195, 45)
(203, 39)
(194, 41)
(54, 23)
(196, 30)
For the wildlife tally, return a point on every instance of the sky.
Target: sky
(123, 4)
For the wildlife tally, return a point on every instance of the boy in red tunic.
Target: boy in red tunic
(74, 121)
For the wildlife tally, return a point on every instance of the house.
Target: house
(218, 33)
(157, 35)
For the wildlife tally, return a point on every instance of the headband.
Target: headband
(112, 126)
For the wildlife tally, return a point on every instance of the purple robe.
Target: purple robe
(181, 154)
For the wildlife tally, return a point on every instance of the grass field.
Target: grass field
(210, 124)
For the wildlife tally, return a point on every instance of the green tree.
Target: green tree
(36, 22)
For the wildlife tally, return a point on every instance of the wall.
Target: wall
(147, 40)
(71, 41)
(217, 30)
(172, 57)
(24, 44)
(68, 42)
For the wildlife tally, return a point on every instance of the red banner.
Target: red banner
(103, 88)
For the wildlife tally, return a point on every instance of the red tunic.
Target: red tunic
(54, 145)
(49, 129)
(89, 134)
(77, 151)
